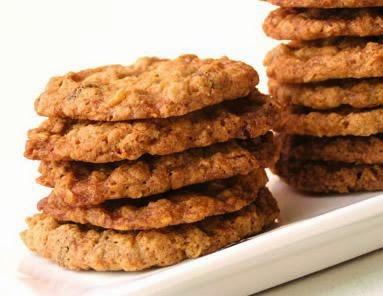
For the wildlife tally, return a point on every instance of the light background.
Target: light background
(39, 39)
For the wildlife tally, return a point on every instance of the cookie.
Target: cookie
(363, 93)
(320, 60)
(85, 247)
(359, 150)
(334, 122)
(100, 142)
(311, 24)
(327, 3)
(187, 205)
(326, 177)
(81, 184)
(150, 88)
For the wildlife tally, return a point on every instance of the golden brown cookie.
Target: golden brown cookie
(334, 122)
(320, 60)
(360, 93)
(99, 142)
(326, 177)
(359, 150)
(81, 184)
(150, 88)
(85, 247)
(311, 23)
(187, 205)
(327, 3)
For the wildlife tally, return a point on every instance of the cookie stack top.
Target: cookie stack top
(327, 3)
(150, 88)
(330, 77)
(167, 154)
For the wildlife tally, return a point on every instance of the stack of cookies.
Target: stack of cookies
(330, 78)
(152, 163)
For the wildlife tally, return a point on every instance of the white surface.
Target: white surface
(39, 39)
(362, 277)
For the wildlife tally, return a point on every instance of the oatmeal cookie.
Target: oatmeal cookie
(81, 184)
(360, 93)
(327, 3)
(320, 60)
(150, 88)
(85, 247)
(334, 122)
(187, 205)
(100, 142)
(350, 149)
(326, 177)
(311, 24)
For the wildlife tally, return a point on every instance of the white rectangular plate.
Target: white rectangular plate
(314, 233)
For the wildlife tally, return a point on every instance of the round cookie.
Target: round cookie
(187, 205)
(322, 177)
(359, 150)
(82, 184)
(100, 142)
(150, 88)
(346, 122)
(85, 247)
(327, 3)
(311, 24)
(361, 93)
(320, 60)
